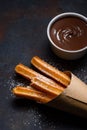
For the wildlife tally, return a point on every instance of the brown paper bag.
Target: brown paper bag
(73, 99)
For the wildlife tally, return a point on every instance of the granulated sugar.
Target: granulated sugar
(12, 83)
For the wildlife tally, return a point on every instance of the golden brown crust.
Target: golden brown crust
(46, 87)
(31, 94)
(25, 71)
(50, 71)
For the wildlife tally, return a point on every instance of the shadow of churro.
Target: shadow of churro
(47, 114)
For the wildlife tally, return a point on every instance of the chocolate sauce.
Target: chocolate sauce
(69, 33)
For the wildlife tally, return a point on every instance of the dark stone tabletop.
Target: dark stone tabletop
(23, 25)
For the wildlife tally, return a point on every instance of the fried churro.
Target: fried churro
(25, 71)
(50, 71)
(47, 87)
(31, 94)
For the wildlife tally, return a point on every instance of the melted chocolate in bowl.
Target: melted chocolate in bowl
(69, 33)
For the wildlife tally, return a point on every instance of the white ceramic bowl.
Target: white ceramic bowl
(66, 54)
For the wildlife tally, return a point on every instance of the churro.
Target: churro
(25, 71)
(50, 71)
(31, 94)
(47, 87)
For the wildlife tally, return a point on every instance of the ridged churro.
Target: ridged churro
(25, 71)
(50, 71)
(47, 87)
(31, 94)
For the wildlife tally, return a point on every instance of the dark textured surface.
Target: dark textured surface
(23, 26)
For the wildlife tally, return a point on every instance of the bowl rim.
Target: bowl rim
(62, 15)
